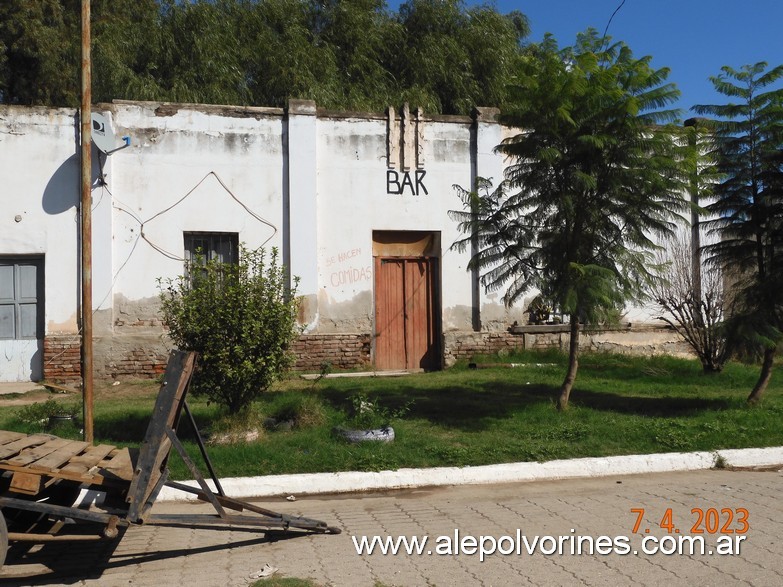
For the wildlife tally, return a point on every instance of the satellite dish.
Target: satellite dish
(102, 134)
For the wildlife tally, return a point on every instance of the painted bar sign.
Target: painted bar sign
(401, 182)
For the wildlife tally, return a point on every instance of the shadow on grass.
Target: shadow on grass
(475, 409)
(122, 427)
(646, 405)
(131, 427)
(467, 408)
(454, 407)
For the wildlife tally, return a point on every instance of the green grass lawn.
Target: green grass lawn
(619, 405)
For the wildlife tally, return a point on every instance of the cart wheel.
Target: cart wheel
(3, 540)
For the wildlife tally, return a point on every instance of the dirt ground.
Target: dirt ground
(101, 389)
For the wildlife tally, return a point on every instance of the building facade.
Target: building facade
(357, 204)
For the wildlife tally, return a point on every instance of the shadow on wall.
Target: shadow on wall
(63, 191)
(36, 363)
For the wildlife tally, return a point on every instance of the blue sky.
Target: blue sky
(693, 38)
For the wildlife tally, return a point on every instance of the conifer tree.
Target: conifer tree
(748, 208)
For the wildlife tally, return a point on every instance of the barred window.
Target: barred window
(203, 247)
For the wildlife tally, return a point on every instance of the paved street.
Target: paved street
(154, 556)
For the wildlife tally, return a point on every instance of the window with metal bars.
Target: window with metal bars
(203, 247)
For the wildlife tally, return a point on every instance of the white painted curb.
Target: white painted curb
(354, 481)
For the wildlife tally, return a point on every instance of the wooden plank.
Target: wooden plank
(8, 436)
(28, 483)
(60, 456)
(416, 313)
(93, 477)
(421, 338)
(155, 448)
(32, 454)
(88, 459)
(16, 446)
(60, 388)
(121, 466)
(157, 469)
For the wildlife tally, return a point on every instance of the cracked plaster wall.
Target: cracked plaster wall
(313, 183)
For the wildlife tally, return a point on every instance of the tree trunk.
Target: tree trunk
(764, 376)
(573, 364)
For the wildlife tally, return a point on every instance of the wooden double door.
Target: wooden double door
(407, 313)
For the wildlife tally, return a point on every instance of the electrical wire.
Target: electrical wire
(124, 208)
(74, 337)
(616, 10)
(175, 257)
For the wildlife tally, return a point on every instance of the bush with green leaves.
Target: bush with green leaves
(368, 413)
(38, 413)
(240, 318)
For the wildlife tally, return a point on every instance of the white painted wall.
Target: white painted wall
(39, 171)
(314, 185)
(353, 201)
(318, 182)
(39, 192)
(351, 183)
(189, 171)
(303, 204)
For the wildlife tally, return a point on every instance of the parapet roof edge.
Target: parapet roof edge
(65, 110)
(170, 108)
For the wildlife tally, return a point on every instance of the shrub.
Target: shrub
(240, 318)
(303, 411)
(243, 426)
(693, 303)
(368, 413)
(38, 413)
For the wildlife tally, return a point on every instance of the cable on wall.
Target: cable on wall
(124, 208)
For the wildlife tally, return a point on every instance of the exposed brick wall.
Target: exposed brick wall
(137, 362)
(62, 358)
(462, 345)
(138, 358)
(644, 341)
(342, 351)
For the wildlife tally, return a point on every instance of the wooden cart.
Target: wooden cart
(41, 476)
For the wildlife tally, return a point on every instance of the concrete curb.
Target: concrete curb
(354, 481)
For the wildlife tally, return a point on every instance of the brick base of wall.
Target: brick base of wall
(462, 345)
(137, 362)
(62, 358)
(138, 358)
(644, 340)
(342, 351)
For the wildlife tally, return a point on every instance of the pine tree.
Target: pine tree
(749, 206)
(594, 177)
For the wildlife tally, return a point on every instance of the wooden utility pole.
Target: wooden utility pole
(694, 144)
(86, 223)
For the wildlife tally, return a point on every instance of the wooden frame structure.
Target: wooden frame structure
(41, 474)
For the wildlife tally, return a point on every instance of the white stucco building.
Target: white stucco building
(356, 202)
